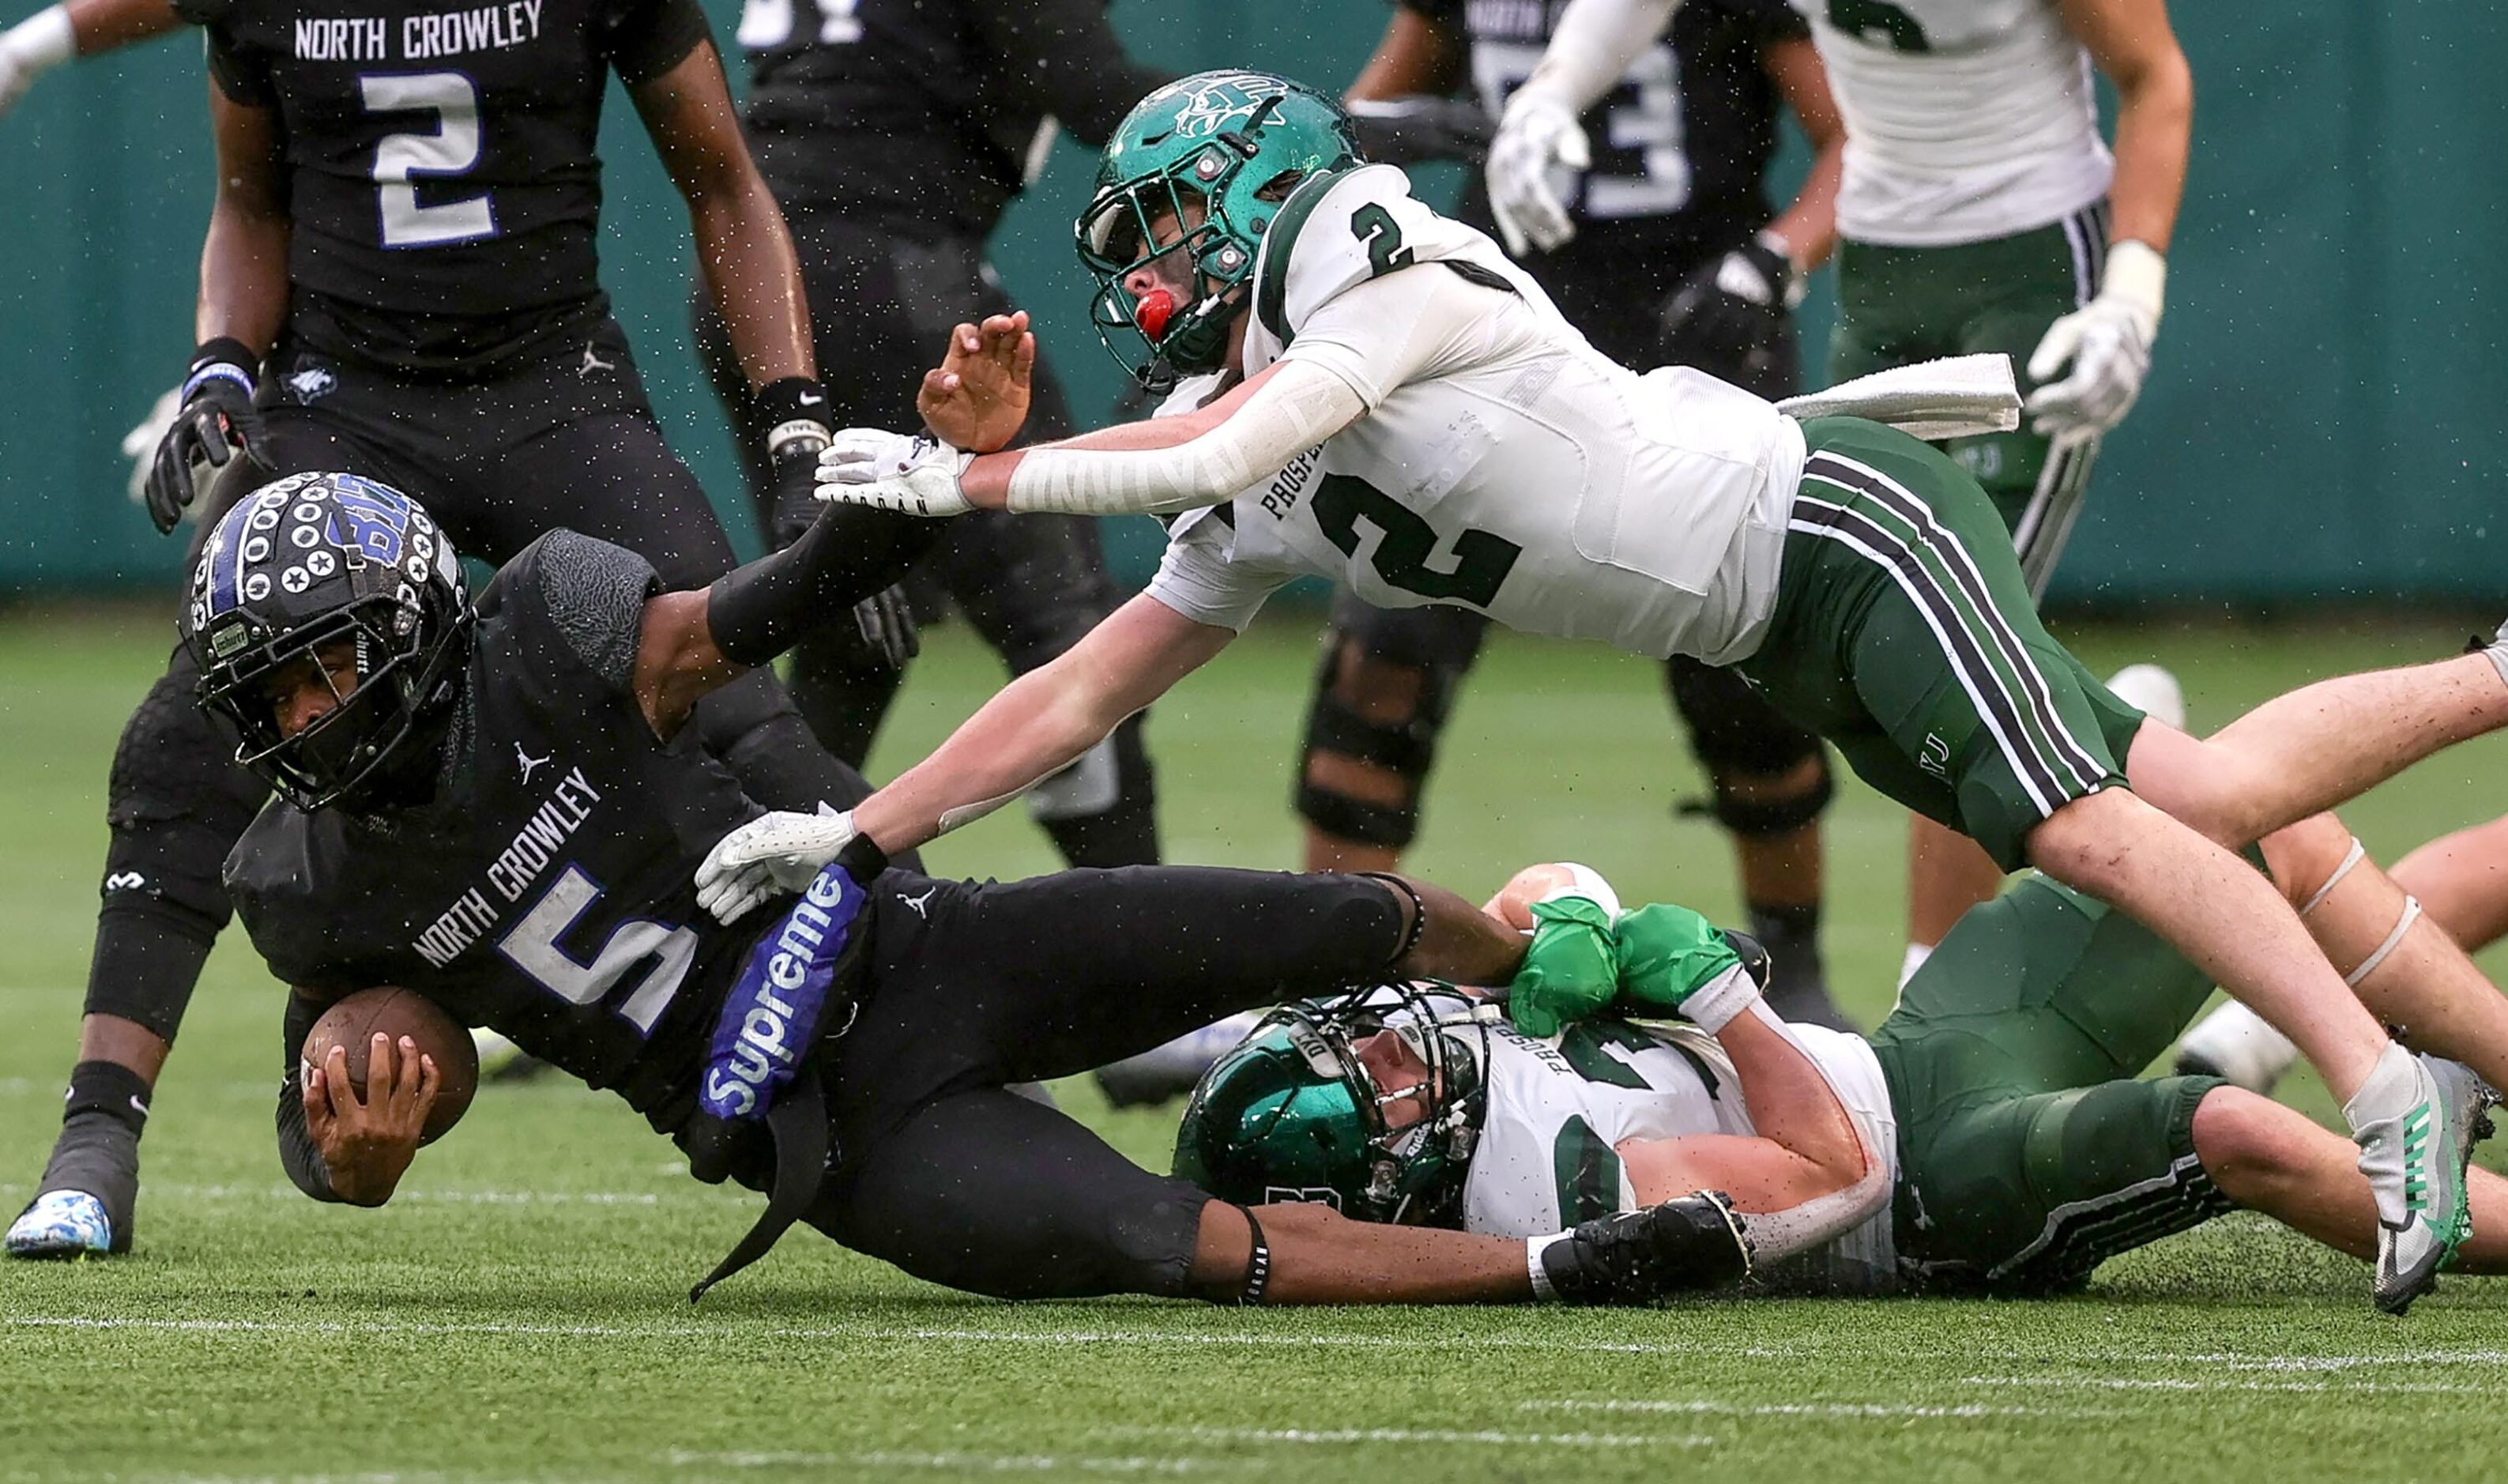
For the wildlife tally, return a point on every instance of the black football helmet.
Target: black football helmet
(315, 561)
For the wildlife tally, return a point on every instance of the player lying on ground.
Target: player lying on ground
(505, 816)
(1414, 419)
(2022, 1150)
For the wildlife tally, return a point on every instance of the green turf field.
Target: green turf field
(518, 1311)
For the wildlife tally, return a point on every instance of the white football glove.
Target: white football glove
(31, 48)
(775, 854)
(2107, 343)
(1533, 164)
(140, 445)
(916, 474)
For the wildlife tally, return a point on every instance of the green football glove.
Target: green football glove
(1666, 954)
(1570, 972)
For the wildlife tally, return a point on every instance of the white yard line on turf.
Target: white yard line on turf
(979, 1463)
(291, 1195)
(1892, 1410)
(1477, 1438)
(2172, 1384)
(1140, 1339)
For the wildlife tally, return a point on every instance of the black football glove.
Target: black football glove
(886, 620)
(1729, 316)
(1418, 128)
(1651, 1254)
(218, 421)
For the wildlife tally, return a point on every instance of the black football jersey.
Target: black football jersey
(443, 185)
(926, 112)
(1680, 145)
(549, 891)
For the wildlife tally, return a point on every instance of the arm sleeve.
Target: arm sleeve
(649, 37)
(296, 1152)
(1773, 21)
(1591, 46)
(595, 594)
(1068, 61)
(1299, 407)
(1196, 579)
(1404, 326)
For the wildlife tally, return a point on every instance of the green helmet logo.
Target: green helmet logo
(1197, 170)
(1294, 1112)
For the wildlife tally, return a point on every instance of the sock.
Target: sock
(1917, 953)
(98, 1148)
(1798, 980)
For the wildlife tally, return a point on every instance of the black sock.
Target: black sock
(1798, 979)
(110, 1088)
(98, 1150)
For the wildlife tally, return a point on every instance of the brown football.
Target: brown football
(353, 1022)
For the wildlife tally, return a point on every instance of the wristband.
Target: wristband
(224, 359)
(793, 409)
(861, 858)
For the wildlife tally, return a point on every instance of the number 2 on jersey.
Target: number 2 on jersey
(450, 149)
(1481, 561)
(765, 24)
(531, 945)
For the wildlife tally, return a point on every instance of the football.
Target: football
(352, 1024)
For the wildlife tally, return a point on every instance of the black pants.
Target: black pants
(569, 441)
(955, 1181)
(1030, 586)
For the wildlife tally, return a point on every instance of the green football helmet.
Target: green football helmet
(1219, 142)
(1293, 1113)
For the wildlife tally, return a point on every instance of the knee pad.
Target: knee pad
(1406, 748)
(1734, 731)
(148, 956)
(176, 802)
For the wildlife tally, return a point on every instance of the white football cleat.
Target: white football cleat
(61, 1223)
(2234, 1043)
(2151, 690)
(2416, 1120)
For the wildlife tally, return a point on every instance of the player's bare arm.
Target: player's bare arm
(2133, 47)
(1023, 735)
(1416, 54)
(1806, 1148)
(57, 33)
(242, 299)
(743, 247)
(1808, 225)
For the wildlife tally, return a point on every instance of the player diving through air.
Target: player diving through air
(500, 807)
(2020, 1150)
(1380, 397)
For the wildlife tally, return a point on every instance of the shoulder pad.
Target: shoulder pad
(1333, 231)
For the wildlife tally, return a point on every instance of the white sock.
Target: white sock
(1917, 953)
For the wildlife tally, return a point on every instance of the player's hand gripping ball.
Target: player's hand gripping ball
(354, 1022)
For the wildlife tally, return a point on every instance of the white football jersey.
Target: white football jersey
(1558, 1107)
(1966, 120)
(1513, 468)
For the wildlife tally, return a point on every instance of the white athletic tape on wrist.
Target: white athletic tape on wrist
(1534, 1247)
(2350, 858)
(2403, 924)
(1727, 995)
